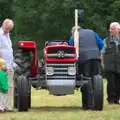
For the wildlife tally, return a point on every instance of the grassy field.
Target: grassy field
(48, 107)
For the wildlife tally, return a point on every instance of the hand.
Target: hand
(102, 65)
(15, 68)
(4, 69)
(102, 61)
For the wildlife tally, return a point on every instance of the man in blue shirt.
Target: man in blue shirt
(88, 62)
(98, 40)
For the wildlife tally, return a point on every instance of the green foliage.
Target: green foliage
(43, 20)
(6, 10)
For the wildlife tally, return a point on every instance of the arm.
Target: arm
(102, 60)
(4, 82)
(102, 53)
(0, 48)
(71, 41)
(99, 41)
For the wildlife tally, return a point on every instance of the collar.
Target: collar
(1, 31)
(116, 38)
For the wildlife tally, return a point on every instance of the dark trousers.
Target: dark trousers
(89, 68)
(113, 86)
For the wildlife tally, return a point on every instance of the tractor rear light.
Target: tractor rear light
(71, 70)
(49, 71)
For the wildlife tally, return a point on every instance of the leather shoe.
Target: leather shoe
(1, 111)
(116, 102)
(10, 110)
(110, 102)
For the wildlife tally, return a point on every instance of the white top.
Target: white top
(6, 50)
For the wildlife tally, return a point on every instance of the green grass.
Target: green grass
(48, 107)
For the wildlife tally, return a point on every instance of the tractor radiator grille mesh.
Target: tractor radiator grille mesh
(60, 71)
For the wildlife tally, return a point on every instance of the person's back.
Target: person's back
(88, 45)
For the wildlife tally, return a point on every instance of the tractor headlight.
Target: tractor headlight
(71, 71)
(49, 71)
(21, 44)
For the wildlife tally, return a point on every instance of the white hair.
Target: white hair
(73, 29)
(8, 22)
(119, 27)
(115, 24)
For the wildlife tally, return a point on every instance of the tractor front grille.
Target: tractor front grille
(60, 71)
(60, 83)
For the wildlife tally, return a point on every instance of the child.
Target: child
(3, 85)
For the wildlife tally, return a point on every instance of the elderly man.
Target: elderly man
(6, 52)
(111, 63)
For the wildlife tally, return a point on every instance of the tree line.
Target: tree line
(44, 20)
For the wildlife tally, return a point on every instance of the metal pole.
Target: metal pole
(76, 34)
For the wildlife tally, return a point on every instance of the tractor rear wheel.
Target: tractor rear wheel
(23, 60)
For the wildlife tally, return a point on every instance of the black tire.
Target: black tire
(23, 60)
(15, 91)
(29, 97)
(23, 93)
(92, 94)
(86, 95)
(98, 92)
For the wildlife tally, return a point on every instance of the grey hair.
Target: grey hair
(115, 24)
(8, 21)
(73, 29)
(119, 27)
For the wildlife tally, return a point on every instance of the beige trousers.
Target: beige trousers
(6, 99)
(10, 90)
(3, 98)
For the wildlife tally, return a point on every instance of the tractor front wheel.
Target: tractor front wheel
(97, 92)
(92, 93)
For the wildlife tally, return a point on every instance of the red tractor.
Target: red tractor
(57, 73)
